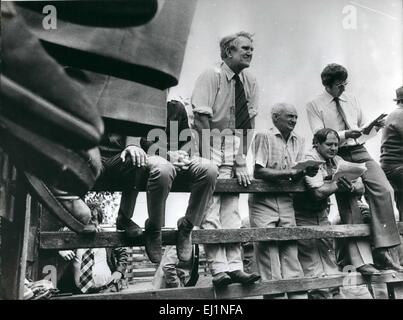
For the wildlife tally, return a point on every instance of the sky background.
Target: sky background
(294, 40)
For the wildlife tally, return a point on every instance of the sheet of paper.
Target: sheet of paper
(365, 137)
(351, 171)
(302, 165)
(367, 128)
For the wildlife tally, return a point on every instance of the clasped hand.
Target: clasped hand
(180, 159)
(344, 185)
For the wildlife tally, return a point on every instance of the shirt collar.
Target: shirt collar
(228, 72)
(329, 97)
(331, 161)
(278, 133)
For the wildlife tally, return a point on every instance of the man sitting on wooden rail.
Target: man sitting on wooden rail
(340, 111)
(276, 151)
(317, 256)
(93, 270)
(133, 167)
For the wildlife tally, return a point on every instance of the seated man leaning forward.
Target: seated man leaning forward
(93, 270)
(276, 151)
(317, 256)
(133, 167)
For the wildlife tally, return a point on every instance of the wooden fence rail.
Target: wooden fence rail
(70, 240)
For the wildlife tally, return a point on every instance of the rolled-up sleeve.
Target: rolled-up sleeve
(254, 100)
(317, 180)
(204, 92)
(261, 149)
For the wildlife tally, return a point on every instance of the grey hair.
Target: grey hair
(279, 108)
(230, 42)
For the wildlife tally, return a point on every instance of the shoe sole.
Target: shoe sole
(223, 283)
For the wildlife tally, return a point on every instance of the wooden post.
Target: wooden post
(395, 290)
(14, 243)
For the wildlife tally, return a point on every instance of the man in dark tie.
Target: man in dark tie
(225, 99)
(339, 111)
(92, 270)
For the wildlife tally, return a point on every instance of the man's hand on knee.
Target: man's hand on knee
(135, 154)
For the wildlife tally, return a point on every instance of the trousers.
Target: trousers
(223, 213)
(157, 177)
(275, 259)
(378, 194)
(394, 173)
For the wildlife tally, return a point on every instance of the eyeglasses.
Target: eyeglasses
(399, 101)
(345, 83)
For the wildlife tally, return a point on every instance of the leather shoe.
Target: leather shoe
(153, 242)
(384, 260)
(221, 280)
(243, 277)
(368, 270)
(132, 229)
(184, 240)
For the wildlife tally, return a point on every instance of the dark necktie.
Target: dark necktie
(87, 262)
(242, 119)
(329, 169)
(341, 112)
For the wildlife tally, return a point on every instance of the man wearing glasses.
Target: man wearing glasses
(392, 150)
(341, 112)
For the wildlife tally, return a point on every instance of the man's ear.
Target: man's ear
(228, 52)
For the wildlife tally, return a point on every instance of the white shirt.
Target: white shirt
(214, 95)
(322, 113)
(100, 271)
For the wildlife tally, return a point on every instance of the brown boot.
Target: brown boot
(153, 242)
(184, 240)
(384, 260)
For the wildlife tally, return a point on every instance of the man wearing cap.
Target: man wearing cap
(336, 110)
(392, 150)
(225, 98)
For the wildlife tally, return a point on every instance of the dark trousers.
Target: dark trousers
(157, 178)
(394, 173)
(378, 195)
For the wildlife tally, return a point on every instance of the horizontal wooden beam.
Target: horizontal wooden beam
(70, 240)
(224, 185)
(234, 291)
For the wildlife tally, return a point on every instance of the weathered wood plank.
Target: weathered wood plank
(303, 284)
(234, 291)
(14, 246)
(231, 186)
(182, 293)
(70, 240)
(395, 290)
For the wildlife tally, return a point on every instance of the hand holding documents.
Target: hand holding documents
(351, 171)
(302, 165)
(369, 130)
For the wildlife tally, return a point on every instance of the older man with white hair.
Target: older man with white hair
(276, 151)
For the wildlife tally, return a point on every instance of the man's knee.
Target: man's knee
(161, 169)
(210, 172)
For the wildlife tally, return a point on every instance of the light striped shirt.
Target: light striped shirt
(272, 151)
(214, 95)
